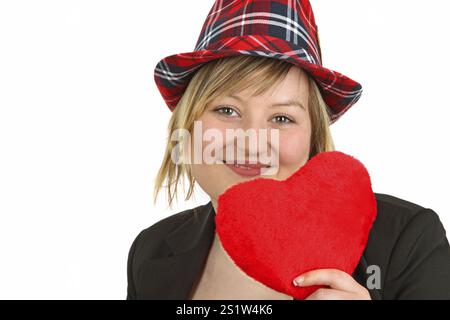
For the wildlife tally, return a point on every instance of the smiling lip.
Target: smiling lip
(246, 169)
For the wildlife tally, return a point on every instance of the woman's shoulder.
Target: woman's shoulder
(404, 208)
(395, 214)
(151, 238)
(397, 218)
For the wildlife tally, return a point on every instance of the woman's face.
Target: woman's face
(273, 110)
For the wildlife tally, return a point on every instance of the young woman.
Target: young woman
(257, 65)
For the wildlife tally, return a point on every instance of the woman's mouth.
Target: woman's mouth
(246, 169)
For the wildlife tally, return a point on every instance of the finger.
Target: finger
(331, 294)
(334, 278)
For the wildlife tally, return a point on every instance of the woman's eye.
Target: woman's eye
(227, 111)
(282, 119)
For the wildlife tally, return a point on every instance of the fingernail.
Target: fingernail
(298, 281)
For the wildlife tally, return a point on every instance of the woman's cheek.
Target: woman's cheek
(294, 152)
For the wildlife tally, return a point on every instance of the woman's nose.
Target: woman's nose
(254, 122)
(257, 133)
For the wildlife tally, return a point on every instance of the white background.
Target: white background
(83, 127)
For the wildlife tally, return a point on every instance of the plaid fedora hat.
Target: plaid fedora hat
(279, 29)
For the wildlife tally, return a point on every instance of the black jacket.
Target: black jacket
(407, 242)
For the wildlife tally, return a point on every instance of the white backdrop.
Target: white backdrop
(83, 127)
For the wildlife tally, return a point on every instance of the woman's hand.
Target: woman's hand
(342, 285)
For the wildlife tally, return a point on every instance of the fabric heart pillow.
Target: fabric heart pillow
(320, 217)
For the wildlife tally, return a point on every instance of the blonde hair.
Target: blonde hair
(223, 76)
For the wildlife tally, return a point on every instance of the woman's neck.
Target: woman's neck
(214, 204)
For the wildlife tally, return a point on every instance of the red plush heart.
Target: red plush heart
(320, 217)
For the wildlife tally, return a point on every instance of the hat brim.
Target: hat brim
(172, 74)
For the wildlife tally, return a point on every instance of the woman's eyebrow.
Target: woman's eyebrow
(289, 102)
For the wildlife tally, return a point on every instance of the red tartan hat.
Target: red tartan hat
(279, 29)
